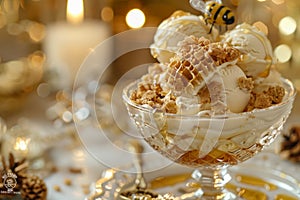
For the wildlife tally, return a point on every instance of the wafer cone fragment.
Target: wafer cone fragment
(193, 69)
(184, 77)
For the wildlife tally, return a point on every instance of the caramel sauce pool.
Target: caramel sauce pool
(245, 193)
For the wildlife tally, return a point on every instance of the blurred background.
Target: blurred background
(34, 27)
(25, 24)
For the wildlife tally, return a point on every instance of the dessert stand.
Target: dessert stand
(181, 138)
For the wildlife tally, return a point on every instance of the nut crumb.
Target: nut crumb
(68, 182)
(273, 95)
(154, 96)
(57, 188)
(246, 84)
(219, 52)
(75, 170)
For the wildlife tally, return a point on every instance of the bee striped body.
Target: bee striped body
(214, 12)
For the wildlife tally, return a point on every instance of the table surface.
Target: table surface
(65, 156)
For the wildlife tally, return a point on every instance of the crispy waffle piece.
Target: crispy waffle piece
(184, 77)
(196, 66)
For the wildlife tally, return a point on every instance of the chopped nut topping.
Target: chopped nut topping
(273, 95)
(186, 70)
(245, 83)
(219, 52)
(154, 96)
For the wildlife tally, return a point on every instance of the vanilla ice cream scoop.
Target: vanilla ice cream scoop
(257, 54)
(174, 29)
(237, 93)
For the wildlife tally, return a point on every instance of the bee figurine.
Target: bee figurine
(214, 12)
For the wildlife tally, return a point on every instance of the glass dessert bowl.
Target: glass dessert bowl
(210, 144)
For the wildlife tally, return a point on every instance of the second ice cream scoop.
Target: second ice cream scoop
(257, 54)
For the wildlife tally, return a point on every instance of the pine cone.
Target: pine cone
(34, 188)
(290, 146)
(19, 168)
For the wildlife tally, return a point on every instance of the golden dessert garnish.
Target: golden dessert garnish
(290, 146)
(222, 53)
(273, 95)
(195, 51)
(219, 52)
(183, 74)
(154, 96)
(246, 83)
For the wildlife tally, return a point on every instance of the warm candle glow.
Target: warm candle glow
(21, 144)
(135, 18)
(75, 11)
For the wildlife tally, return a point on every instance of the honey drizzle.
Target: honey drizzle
(165, 181)
(250, 180)
(268, 57)
(245, 193)
(284, 197)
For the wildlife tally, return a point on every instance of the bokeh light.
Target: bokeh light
(135, 18)
(37, 59)
(14, 29)
(262, 27)
(107, 14)
(283, 53)
(36, 31)
(287, 25)
(278, 2)
(75, 11)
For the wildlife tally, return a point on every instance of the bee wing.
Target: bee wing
(218, 1)
(199, 5)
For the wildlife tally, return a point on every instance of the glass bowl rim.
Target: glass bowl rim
(289, 97)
